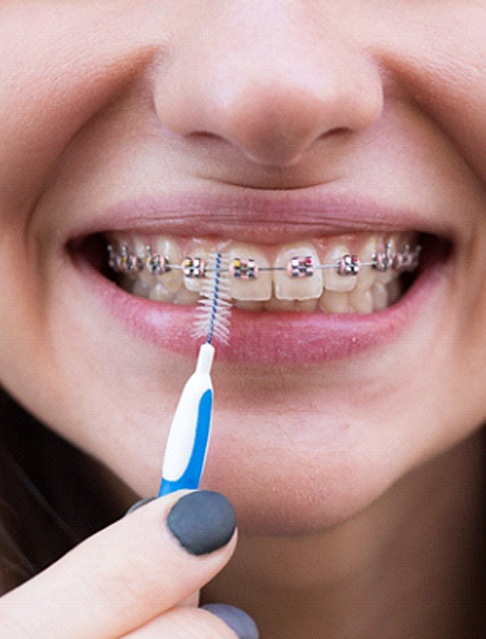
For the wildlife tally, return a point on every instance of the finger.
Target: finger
(193, 598)
(198, 623)
(128, 574)
(238, 620)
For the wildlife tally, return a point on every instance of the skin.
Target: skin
(105, 102)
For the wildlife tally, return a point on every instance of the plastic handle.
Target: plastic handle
(188, 440)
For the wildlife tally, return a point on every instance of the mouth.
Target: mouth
(295, 303)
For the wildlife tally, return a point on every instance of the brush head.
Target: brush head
(213, 313)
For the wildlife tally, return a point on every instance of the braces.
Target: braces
(406, 260)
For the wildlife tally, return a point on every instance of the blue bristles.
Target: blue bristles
(213, 314)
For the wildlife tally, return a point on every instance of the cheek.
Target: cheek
(69, 68)
(21, 306)
(439, 58)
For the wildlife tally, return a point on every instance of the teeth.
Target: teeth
(297, 278)
(384, 257)
(250, 280)
(186, 297)
(380, 296)
(249, 306)
(172, 279)
(393, 290)
(159, 293)
(361, 301)
(157, 272)
(332, 302)
(280, 305)
(306, 306)
(194, 266)
(139, 287)
(367, 276)
(331, 278)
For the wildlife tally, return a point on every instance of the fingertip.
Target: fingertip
(202, 522)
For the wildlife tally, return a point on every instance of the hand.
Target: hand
(137, 579)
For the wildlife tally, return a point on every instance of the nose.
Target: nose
(268, 83)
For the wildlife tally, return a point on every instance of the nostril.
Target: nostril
(271, 118)
(339, 131)
(205, 135)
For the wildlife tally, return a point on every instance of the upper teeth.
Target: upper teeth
(158, 270)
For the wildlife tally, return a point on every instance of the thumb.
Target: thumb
(127, 574)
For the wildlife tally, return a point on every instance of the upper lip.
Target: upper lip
(270, 217)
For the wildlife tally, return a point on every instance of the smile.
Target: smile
(361, 274)
(308, 282)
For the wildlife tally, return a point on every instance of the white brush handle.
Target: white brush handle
(188, 439)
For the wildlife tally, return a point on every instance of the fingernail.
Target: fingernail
(202, 522)
(238, 620)
(138, 504)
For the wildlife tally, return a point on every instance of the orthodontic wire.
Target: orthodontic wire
(414, 253)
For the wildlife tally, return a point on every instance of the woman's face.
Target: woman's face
(268, 129)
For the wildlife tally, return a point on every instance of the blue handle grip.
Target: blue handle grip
(191, 476)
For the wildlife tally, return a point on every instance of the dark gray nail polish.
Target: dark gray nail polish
(238, 620)
(138, 504)
(202, 522)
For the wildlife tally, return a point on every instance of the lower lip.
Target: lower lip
(284, 338)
